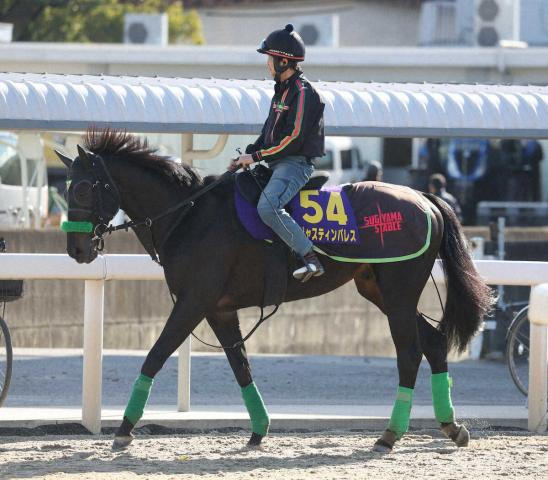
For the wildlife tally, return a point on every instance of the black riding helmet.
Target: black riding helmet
(285, 43)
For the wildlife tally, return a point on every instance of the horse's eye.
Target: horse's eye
(82, 192)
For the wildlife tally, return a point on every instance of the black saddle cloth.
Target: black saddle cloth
(250, 183)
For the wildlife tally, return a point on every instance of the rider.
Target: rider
(292, 136)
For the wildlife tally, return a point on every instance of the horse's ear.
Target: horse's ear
(66, 160)
(85, 157)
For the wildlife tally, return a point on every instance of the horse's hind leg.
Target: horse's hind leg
(380, 286)
(409, 355)
(434, 347)
(183, 319)
(226, 327)
(399, 286)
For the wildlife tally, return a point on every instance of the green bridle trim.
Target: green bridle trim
(77, 227)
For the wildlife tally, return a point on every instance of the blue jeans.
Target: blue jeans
(289, 175)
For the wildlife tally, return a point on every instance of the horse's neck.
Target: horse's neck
(144, 195)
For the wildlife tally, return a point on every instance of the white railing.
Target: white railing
(140, 267)
(108, 267)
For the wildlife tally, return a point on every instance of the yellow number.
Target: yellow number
(306, 202)
(335, 209)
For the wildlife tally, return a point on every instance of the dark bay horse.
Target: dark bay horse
(213, 268)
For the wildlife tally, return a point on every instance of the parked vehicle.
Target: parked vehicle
(342, 160)
(23, 181)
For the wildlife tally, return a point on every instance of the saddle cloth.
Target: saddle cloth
(366, 222)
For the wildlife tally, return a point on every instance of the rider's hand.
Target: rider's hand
(244, 161)
(232, 167)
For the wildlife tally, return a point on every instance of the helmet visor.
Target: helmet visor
(263, 48)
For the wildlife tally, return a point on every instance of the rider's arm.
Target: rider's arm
(292, 135)
(253, 147)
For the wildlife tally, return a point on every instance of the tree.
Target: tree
(99, 21)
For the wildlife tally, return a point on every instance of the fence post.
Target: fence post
(538, 359)
(183, 377)
(93, 355)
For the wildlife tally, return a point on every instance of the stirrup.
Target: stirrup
(306, 272)
(312, 268)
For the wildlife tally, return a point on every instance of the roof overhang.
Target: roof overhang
(179, 105)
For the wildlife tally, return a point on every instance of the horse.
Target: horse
(213, 267)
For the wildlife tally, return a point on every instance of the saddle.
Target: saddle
(250, 183)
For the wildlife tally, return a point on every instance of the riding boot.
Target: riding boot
(312, 267)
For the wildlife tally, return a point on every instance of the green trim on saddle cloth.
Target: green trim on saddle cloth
(423, 249)
(138, 399)
(256, 409)
(77, 227)
(441, 397)
(399, 420)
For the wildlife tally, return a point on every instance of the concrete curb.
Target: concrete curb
(284, 418)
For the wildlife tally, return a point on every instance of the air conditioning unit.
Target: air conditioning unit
(437, 25)
(318, 30)
(6, 32)
(146, 28)
(495, 20)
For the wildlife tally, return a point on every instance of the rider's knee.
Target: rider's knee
(266, 211)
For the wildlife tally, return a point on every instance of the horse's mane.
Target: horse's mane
(112, 143)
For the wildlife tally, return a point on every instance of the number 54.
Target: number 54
(334, 212)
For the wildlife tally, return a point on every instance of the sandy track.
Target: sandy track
(323, 455)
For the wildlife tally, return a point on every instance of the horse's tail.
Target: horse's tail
(468, 296)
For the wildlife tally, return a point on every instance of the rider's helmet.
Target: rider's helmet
(285, 43)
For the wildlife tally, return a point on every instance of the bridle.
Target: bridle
(101, 214)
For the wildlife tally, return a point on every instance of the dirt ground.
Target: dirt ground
(320, 455)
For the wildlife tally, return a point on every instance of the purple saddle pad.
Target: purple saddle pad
(325, 216)
(369, 222)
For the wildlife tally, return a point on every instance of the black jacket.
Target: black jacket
(294, 125)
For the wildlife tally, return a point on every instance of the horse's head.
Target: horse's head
(92, 199)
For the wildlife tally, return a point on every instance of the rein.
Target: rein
(102, 229)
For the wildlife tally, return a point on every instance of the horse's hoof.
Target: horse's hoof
(122, 442)
(385, 444)
(381, 447)
(255, 442)
(458, 433)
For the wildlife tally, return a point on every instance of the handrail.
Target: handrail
(33, 266)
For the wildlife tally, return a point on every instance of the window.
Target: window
(346, 159)
(10, 166)
(397, 152)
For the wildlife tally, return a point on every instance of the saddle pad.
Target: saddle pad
(371, 222)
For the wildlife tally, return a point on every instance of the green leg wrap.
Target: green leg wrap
(256, 409)
(138, 399)
(399, 421)
(441, 397)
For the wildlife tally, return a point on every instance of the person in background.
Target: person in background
(373, 172)
(532, 156)
(437, 186)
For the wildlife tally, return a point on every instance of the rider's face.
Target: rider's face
(270, 65)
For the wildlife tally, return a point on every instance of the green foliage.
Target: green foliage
(93, 20)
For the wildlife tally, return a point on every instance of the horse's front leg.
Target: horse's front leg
(184, 317)
(226, 327)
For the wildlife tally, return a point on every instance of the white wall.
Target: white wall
(371, 23)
